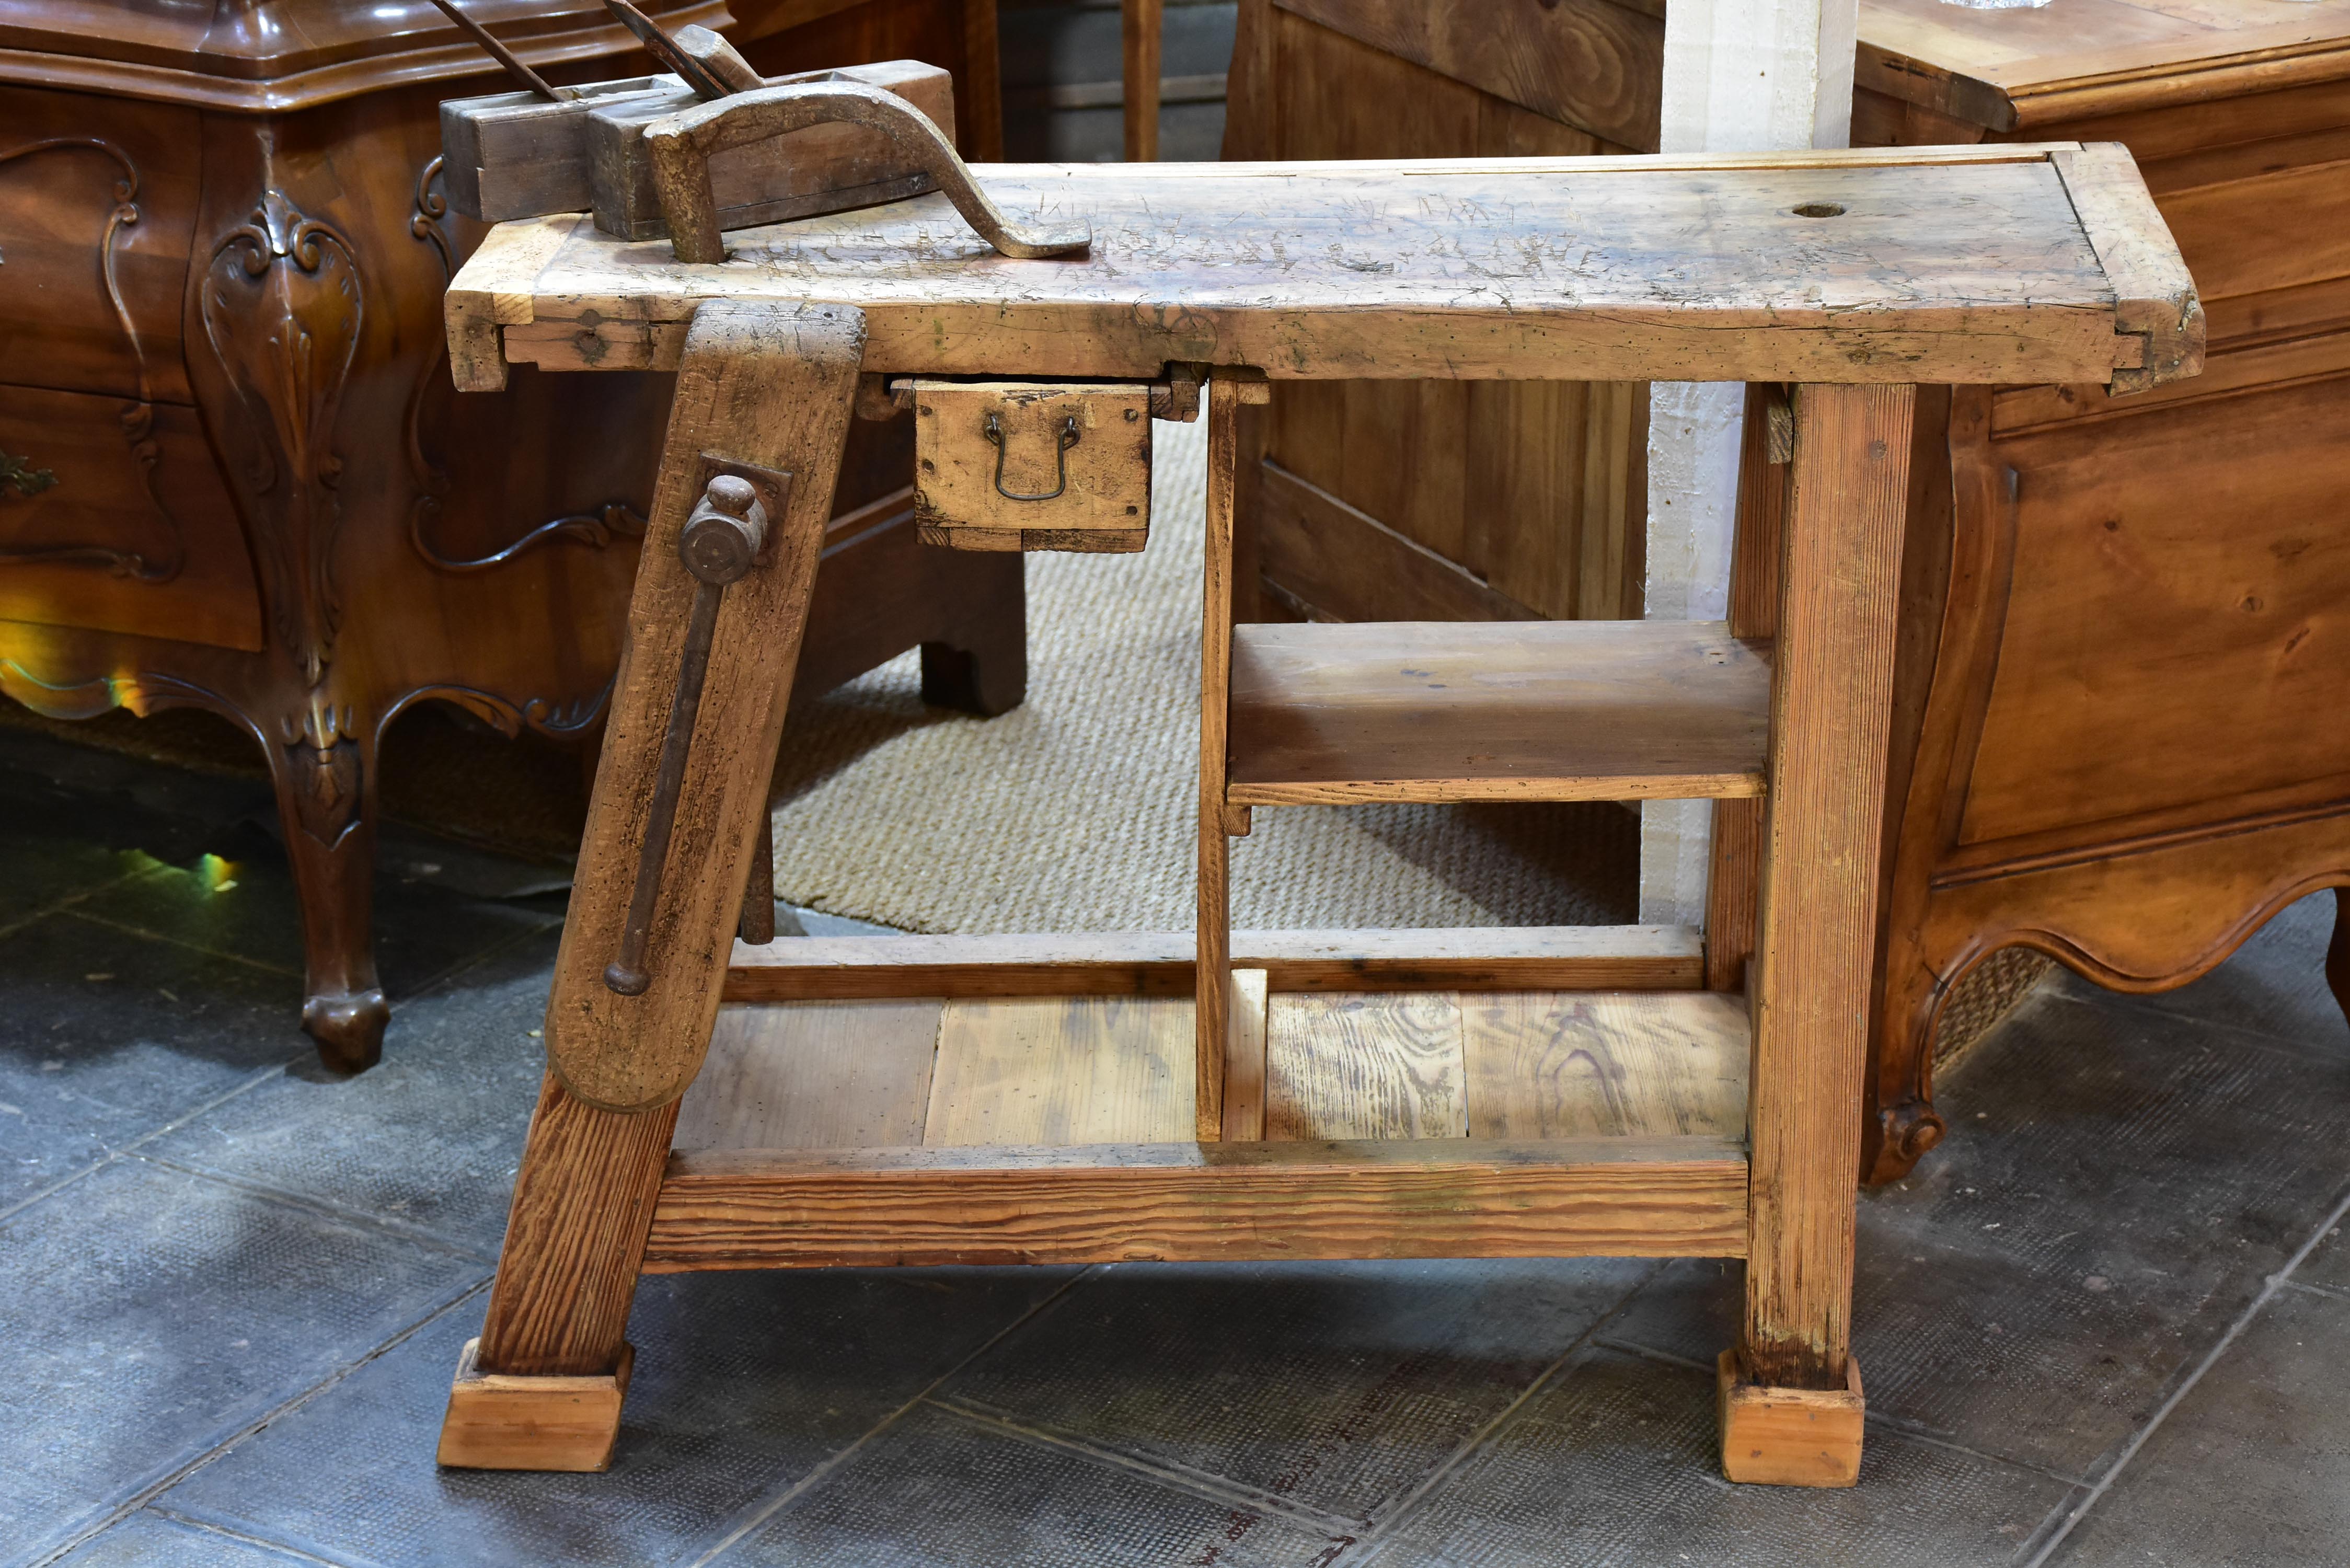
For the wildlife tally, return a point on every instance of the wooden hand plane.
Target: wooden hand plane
(521, 155)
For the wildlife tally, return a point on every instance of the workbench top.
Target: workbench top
(2016, 264)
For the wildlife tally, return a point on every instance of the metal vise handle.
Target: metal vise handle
(681, 145)
(719, 544)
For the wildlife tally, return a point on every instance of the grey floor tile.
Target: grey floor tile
(2328, 1263)
(744, 1383)
(152, 1314)
(1615, 1464)
(937, 1491)
(147, 1540)
(2251, 1470)
(1334, 1386)
(2275, 984)
(2038, 1285)
(44, 868)
(431, 1136)
(105, 1037)
(422, 931)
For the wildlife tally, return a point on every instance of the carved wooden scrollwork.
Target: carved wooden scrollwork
(282, 308)
(24, 476)
(614, 520)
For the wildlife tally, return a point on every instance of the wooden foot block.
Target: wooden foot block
(501, 1423)
(1789, 1437)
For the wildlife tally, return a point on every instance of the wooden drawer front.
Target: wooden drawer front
(94, 241)
(2274, 231)
(2179, 627)
(106, 528)
(1010, 465)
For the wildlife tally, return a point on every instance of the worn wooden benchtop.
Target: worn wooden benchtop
(2010, 263)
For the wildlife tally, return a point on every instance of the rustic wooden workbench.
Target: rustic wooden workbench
(1062, 1098)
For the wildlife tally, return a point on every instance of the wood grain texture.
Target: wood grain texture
(1589, 63)
(1543, 1065)
(1159, 963)
(496, 1422)
(575, 1235)
(2156, 298)
(1364, 1065)
(1101, 480)
(1077, 1070)
(1733, 886)
(1831, 714)
(764, 385)
(1245, 1066)
(1212, 981)
(1186, 264)
(840, 1075)
(1141, 26)
(1534, 710)
(1789, 1437)
(1221, 1201)
(1340, 563)
(2095, 57)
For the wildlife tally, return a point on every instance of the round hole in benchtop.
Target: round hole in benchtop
(1818, 209)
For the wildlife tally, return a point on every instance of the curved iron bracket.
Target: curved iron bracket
(682, 144)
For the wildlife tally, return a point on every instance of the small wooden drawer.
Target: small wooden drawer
(1033, 465)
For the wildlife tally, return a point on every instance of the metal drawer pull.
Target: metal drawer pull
(1069, 438)
(719, 543)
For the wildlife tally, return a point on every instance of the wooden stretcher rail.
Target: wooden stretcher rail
(1159, 963)
(762, 1208)
(2003, 265)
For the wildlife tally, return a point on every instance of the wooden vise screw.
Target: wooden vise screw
(719, 544)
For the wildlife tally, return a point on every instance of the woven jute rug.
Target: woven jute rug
(1079, 810)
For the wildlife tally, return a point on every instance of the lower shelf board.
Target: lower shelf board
(1421, 1198)
(1031, 1129)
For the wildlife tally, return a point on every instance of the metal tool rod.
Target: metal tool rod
(499, 52)
(664, 49)
(627, 974)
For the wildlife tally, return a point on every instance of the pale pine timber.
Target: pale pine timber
(1159, 963)
(1542, 1064)
(1244, 1065)
(1496, 711)
(1816, 928)
(1212, 980)
(763, 384)
(499, 1423)
(1789, 1437)
(1950, 265)
(1365, 1066)
(751, 1209)
(839, 1074)
(1066, 1070)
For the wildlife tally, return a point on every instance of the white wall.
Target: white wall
(1740, 76)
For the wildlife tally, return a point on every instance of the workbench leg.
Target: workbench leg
(1790, 1394)
(1212, 952)
(762, 390)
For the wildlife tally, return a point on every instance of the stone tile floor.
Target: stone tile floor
(2107, 1324)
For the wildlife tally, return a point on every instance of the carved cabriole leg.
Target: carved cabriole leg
(322, 766)
(768, 387)
(1831, 714)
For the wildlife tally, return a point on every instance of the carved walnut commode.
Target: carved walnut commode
(233, 473)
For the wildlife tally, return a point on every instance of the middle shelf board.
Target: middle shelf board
(1504, 710)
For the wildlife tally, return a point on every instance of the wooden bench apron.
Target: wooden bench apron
(1071, 1098)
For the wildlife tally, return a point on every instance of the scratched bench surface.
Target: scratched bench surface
(1998, 265)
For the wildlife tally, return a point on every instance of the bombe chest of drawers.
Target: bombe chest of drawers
(1066, 1097)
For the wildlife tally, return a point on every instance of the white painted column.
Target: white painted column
(1740, 76)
